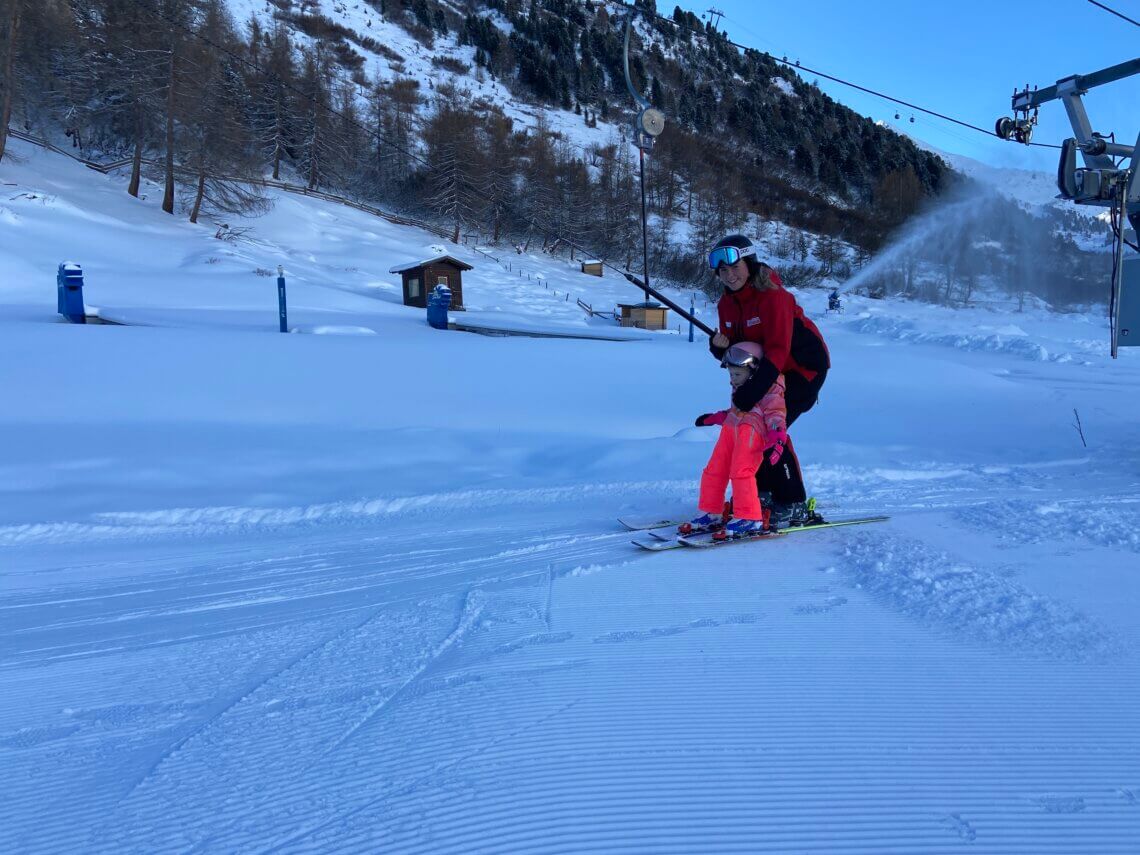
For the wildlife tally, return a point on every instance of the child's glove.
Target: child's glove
(777, 439)
(710, 419)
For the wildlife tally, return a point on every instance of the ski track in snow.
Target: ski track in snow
(196, 522)
(531, 684)
(500, 694)
(874, 489)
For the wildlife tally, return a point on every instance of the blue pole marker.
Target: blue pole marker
(69, 288)
(281, 299)
(692, 311)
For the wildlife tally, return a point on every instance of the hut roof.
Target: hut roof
(462, 265)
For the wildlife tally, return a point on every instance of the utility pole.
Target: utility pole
(650, 122)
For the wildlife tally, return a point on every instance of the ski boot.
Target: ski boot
(704, 522)
(795, 514)
(740, 528)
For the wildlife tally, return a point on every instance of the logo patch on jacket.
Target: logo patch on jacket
(728, 324)
(751, 322)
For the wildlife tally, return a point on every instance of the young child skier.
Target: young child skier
(748, 441)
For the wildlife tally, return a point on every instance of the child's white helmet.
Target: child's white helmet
(745, 354)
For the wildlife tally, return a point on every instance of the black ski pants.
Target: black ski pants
(784, 480)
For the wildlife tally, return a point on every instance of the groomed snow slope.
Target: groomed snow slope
(347, 592)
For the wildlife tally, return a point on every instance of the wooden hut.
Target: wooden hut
(421, 277)
(593, 267)
(645, 316)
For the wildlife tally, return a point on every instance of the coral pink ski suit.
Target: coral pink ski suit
(739, 453)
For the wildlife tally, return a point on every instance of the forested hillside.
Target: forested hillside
(462, 113)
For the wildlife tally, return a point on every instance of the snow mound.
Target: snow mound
(964, 599)
(1016, 344)
(1113, 524)
(339, 330)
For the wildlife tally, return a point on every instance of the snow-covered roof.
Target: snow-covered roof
(462, 265)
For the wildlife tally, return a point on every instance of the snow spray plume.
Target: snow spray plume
(980, 240)
(913, 241)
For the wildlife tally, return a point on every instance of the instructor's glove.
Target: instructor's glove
(717, 352)
(710, 419)
(777, 439)
(748, 395)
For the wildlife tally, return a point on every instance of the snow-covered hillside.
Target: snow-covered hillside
(1035, 189)
(351, 592)
(405, 57)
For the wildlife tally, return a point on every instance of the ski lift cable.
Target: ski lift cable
(803, 68)
(950, 132)
(1114, 12)
(798, 66)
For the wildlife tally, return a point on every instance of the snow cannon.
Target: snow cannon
(69, 286)
(438, 303)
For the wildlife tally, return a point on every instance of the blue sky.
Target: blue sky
(963, 59)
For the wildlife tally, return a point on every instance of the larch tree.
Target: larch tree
(455, 161)
(216, 144)
(273, 109)
(10, 21)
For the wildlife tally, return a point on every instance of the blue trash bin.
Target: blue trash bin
(69, 288)
(439, 301)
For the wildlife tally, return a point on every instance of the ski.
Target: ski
(706, 542)
(646, 523)
(656, 544)
(659, 541)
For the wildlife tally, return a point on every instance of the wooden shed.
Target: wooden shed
(645, 316)
(421, 277)
(592, 267)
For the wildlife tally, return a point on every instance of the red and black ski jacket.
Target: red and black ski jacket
(772, 318)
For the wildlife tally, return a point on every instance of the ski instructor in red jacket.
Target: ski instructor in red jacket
(755, 307)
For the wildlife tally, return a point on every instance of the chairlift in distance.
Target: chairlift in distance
(1102, 181)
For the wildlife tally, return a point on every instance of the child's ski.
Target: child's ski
(646, 523)
(659, 541)
(704, 542)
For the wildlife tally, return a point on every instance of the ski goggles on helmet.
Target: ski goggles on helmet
(738, 357)
(728, 255)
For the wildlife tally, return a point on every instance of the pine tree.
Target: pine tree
(454, 167)
(396, 110)
(273, 116)
(216, 142)
(497, 185)
(320, 151)
(10, 21)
